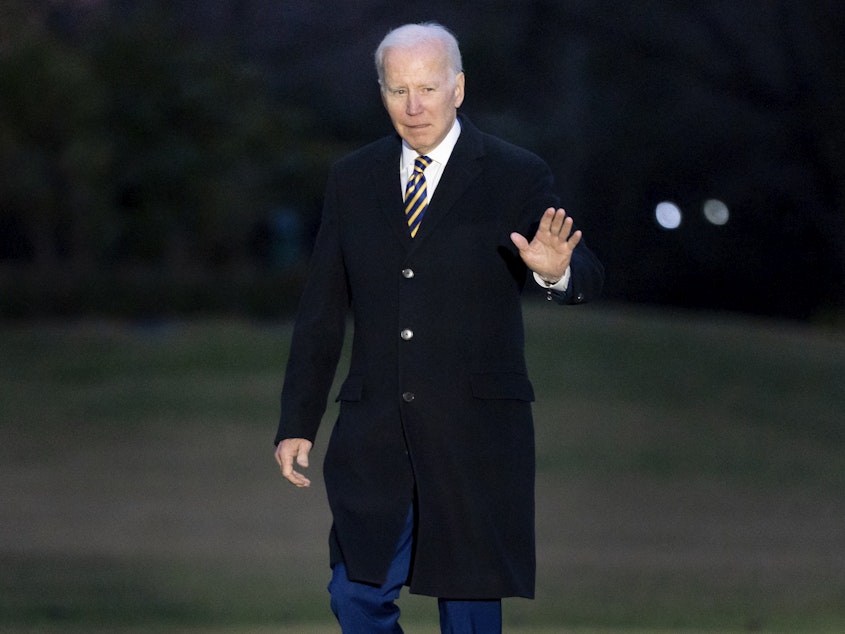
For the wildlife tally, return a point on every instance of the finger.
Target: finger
(565, 227)
(286, 464)
(298, 479)
(574, 239)
(285, 459)
(546, 220)
(558, 222)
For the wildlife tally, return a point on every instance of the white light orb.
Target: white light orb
(716, 211)
(668, 215)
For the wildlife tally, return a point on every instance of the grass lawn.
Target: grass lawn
(691, 477)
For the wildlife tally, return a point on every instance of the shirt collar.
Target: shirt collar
(440, 154)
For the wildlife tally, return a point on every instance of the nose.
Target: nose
(413, 105)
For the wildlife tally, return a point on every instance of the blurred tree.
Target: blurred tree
(203, 153)
(53, 150)
(126, 142)
(163, 133)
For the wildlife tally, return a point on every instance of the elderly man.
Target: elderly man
(430, 466)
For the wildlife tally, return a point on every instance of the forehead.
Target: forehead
(426, 60)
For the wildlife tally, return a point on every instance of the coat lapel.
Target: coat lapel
(461, 171)
(385, 181)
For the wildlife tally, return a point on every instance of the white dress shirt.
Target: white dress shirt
(439, 157)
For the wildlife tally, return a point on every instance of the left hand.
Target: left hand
(550, 252)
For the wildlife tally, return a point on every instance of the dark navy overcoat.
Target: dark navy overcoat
(436, 408)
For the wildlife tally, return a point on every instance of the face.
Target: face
(421, 94)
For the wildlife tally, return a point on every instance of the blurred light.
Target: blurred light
(716, 212)
(668, 215)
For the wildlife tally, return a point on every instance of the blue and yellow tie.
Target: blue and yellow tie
(416, 199)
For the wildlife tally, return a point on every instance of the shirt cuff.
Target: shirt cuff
(561, 285)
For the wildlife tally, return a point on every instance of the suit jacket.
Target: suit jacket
(436, 408)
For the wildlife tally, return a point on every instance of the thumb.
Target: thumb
(519, 240)
(302, 455)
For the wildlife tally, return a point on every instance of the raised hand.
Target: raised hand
(550, 251)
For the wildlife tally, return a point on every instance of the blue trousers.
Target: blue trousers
(361, 608)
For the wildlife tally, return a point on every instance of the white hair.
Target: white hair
(411, 35)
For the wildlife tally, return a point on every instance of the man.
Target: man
(430, 466)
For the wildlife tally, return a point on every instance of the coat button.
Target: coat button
(407, 273)
(408, 397)
(407, 334)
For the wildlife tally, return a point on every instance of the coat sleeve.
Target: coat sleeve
(587, 273)
(318, 331)
(587, 278)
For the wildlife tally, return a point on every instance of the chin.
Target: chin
(417, 140)
(422, 147)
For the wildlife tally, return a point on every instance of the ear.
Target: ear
(459, 89)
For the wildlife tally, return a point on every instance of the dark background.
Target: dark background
(168, 158)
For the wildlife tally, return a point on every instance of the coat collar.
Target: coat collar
(461, 171)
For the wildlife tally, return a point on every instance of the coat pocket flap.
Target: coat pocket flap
(351, 389)
(502, 385)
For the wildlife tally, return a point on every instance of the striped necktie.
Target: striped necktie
(416, 199)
